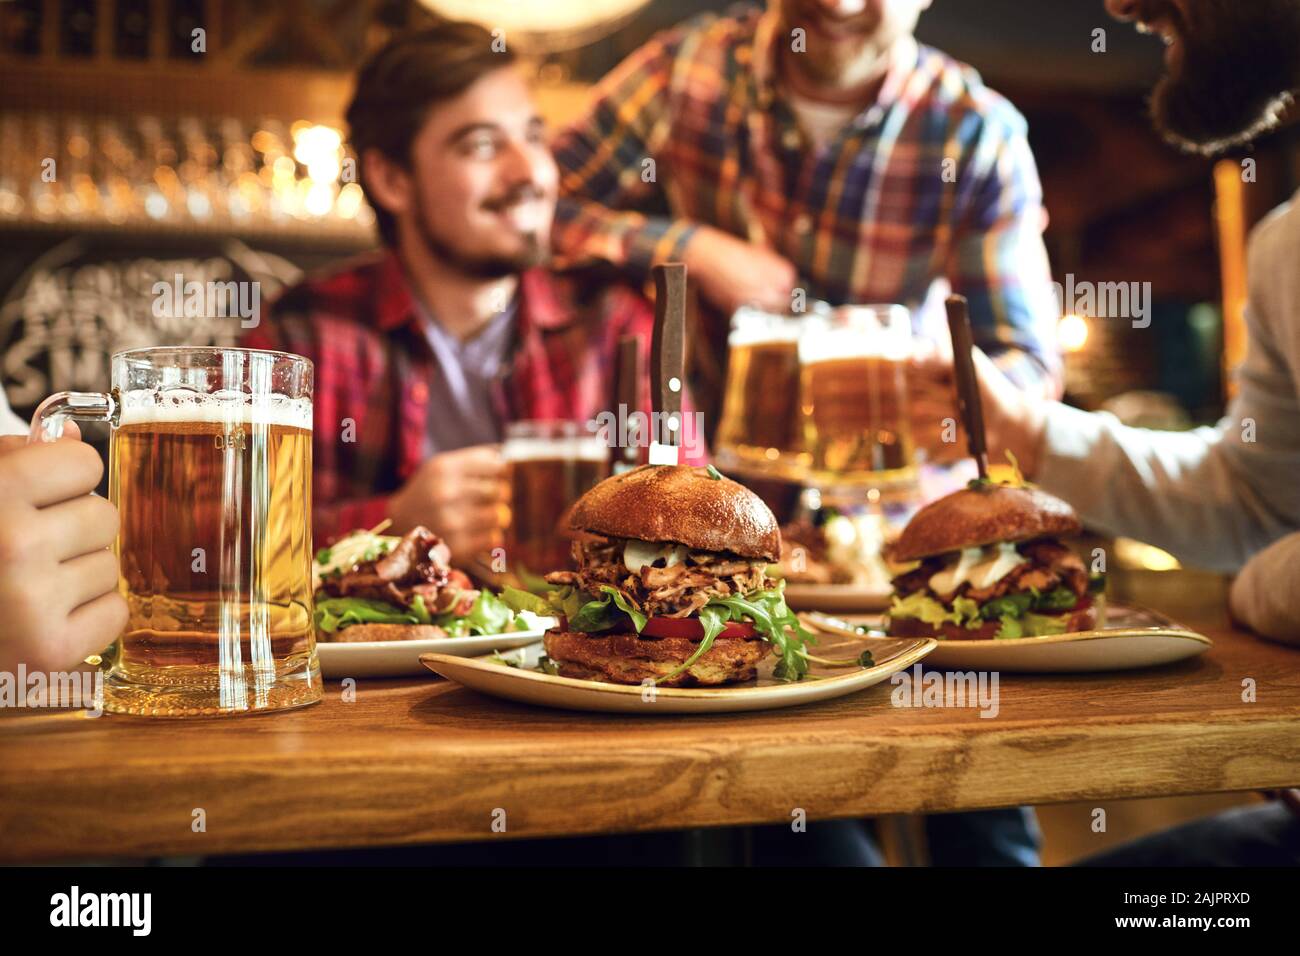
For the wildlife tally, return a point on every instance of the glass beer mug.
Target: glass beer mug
(854, 396)
(761, 432)
(210, 470)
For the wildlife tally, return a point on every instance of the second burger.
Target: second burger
(671, 584)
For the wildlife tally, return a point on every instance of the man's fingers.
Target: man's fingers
(474, 545)
(88, 577)
(93, 626)
(42, 474)
(11, 443)
(478, 461)
(78, 526)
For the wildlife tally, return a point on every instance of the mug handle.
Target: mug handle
(47, 423)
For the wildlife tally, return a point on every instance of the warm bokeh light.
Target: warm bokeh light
(1072, 332)
(1136, 554)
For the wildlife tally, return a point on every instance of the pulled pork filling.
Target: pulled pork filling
(1048, 565)
(418, 565)
(659, 591)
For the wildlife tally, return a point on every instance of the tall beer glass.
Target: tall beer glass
(854, 389)
(761, 432)
(551, 464)
(210, 469)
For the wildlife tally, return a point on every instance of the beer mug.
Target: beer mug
(761, 432)
(550, 465)
(854, 394)
(210, 470)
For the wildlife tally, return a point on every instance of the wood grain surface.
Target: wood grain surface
(420, 760)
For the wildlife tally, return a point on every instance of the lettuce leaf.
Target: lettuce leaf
(1040, 625)
(521, 600)
(602, 613)
(488, 615)
(335, 613)
(925, 608)
(1011, 628)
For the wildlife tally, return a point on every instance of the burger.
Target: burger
(377, 587)
(671, 584)
(987, 562)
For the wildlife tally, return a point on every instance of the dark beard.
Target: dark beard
(536, 251)
(1240, 65)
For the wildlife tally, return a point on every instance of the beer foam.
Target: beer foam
(572, 447)
(176, 405)
(825, 338)
(752, 327)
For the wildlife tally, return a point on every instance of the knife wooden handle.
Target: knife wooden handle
(627, 393)
(668, 348)
(968, 389)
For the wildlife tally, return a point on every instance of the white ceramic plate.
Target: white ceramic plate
(533, 687)
(1132, 638)
(402, 658)
(835, 598)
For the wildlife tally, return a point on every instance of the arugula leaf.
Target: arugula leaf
(602, 613)
(624, 605)
(776, 623)
(594, 616)
(420, 611)
(713, 619)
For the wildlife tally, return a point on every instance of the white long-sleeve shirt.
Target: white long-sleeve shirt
(10, 424)
(1224, 498)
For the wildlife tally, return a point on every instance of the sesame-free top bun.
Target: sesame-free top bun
(983, 515)
(681, 504)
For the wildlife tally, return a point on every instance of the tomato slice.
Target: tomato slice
(692, 628)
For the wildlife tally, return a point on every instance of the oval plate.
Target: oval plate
(402, 658)
(1132, 638)
(529, 686)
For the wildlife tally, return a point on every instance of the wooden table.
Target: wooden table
(416, 761)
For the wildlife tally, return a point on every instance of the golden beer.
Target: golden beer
(215, 551)
(550, 466)
(857, 428)
(210, 470)
(761, 431)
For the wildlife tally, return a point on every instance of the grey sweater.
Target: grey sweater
(1225, 498)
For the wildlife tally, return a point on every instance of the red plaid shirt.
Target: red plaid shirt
(374, 369)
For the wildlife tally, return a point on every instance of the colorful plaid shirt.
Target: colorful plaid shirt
(934, 181)
(361, 328)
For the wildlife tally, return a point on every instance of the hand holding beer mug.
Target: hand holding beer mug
(551, 464)
(855, 402)
(210, 470)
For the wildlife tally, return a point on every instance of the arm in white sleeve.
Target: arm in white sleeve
(1266, 595)
(10, 424)
(1212, 497)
